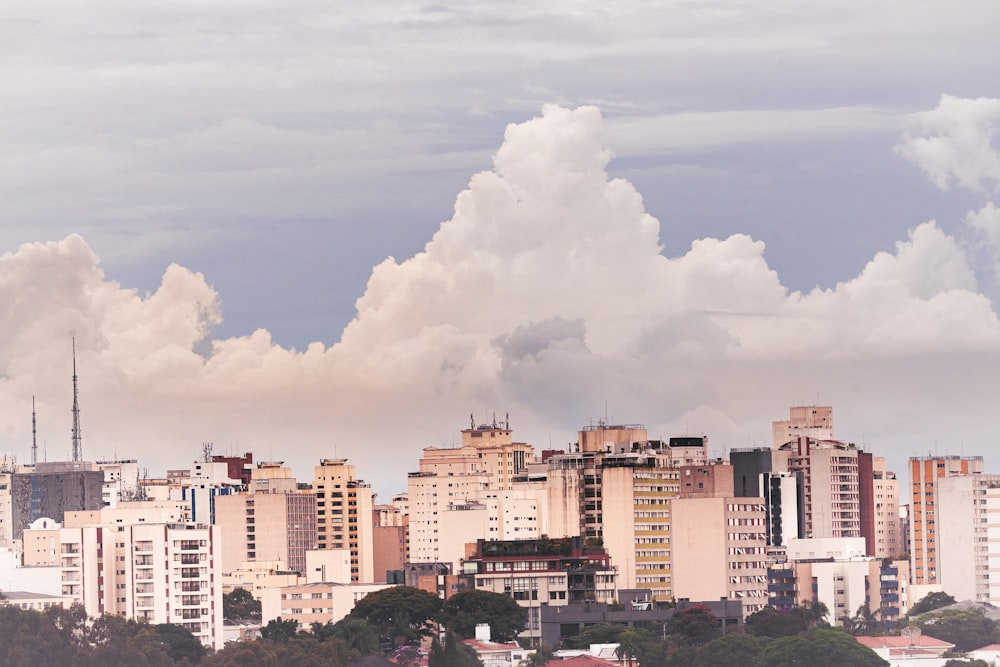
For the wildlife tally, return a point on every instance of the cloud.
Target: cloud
(547, 295)
(953, 144)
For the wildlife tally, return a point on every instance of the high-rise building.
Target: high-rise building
(470, 490)
(888, 543)
(925, 472)
(812, 421)
(344, 515)
(719, 545)
(149, 571)
(266, 527)
(967, 513)
(831, 484)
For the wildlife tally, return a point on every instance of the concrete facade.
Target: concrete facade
(925, 472)
(344, 515)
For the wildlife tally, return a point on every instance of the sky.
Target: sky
(328, 232)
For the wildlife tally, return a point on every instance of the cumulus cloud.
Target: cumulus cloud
(547, 295)
(953, 144)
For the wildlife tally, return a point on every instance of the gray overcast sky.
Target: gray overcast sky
(279, 151)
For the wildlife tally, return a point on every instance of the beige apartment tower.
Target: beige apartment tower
(344, 515)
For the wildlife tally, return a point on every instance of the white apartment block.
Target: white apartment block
(968, 536)
(156, 572)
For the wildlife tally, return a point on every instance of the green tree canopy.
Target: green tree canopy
(819, 648)
(279, 630)
(240, 605)
(771, 622)
(179, 643)
(696, 624)
(463, 611)
(735, 649)
(401, 612)
(930, 602)
(967, 630)
(453, 654)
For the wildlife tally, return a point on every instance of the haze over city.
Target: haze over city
(309, 232)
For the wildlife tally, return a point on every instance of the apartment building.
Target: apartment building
(549, 572)
(811, 421)
(967, 512)
(831, 484)
(268, 527)
(888, 541)
(925, 473)
(344, 515)
(719, 543)
(154, 572)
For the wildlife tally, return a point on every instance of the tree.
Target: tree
(179, 643)
(770, 622)
(356, 634)
(453, 654)
(732, 650)
(696, 624)
(864, 622)
(540, 657)
(629, 647)
(598, 633)
(400, 613)
(967, 630)
(821, 648)
(279, 631)
(463, 611)
(930, 602)
(240, 605)
(957, 662)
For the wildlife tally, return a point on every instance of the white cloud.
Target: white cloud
(546, 295)
(953, 144)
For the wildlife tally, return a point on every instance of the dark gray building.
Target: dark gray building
(51, 490)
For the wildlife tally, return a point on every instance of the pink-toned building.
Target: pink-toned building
(719, 549)
(267, 527)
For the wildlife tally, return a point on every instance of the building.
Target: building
(888, 541)
(925, 473)
(838, 573)
(967, 511)
(471, 490)
(318, 602)
(810, 421)
(344, 515)
(784, 503)
(154, 572)
(719, 548)
(268, 527)
(563, 622)
(49, 490)
(546, 572)
(202, 484)
(831, 484)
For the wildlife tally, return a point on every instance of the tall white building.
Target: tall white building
(156, 572)
(968, 536)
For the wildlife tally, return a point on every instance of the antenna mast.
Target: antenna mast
(77, 446)
(34, 434)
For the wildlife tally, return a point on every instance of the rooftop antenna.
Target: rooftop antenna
(77, 445)
(34, 435)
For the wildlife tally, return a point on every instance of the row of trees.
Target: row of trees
(64, 637)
